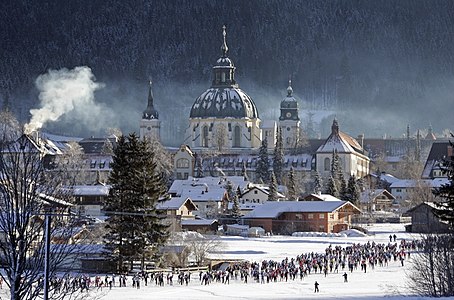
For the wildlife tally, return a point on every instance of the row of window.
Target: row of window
(236, 140)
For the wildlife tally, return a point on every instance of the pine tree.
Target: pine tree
(343, 188)
(445, 209)
(272, 196)
(352, 194)
(331, 187)
(278, 157)
(233, 198)
(318, 183)
(292, 195)
(135, 228)
(263, 163)
(236, 212)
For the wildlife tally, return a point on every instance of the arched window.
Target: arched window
(182, 163)
(236, 137)
(205, 136)
(327, 165)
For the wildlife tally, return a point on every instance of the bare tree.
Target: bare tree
(421, 192)
(9, 127)
(432, 272)
(29, 199)
(202, 246)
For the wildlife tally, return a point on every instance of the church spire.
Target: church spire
(150, 112)
(224, 47)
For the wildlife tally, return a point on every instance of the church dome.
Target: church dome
(224, 99)
(229, 102)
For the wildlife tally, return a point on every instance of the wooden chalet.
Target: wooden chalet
(286, 217)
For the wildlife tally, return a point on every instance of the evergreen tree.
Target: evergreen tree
(278, 157)
(272, 196)
(135, 228)
(331, 187)
(352, 194)
(263, 163)
(292, 195)
(318, 184)
(343, 189)
(199, 167)
(445, 209)
(233, 198)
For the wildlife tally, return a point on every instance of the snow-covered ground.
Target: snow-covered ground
(381, 282)
(389, 282)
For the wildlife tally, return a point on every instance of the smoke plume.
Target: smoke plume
(64, 91)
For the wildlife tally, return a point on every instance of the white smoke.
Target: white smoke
(63, 91)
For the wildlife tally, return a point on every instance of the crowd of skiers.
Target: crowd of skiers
(333, 260)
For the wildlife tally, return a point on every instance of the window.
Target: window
(205, 136)
(327, 165)
(321, 216)
(182, 163)
(310, 216)
(298, 216)
(236, 136)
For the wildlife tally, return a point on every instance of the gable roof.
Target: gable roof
(340, 142)
(369, 195)
(175, 203)
(263, 189)
(275, 209)
(438, 151)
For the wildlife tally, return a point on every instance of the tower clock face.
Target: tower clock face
(288, 115)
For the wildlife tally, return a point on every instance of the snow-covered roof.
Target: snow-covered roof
(410, 183)
(274, 209)
(206, 188)
(197, 222)
(174, 203)
(54, 201)
(322, 197)
(340, 142)
(91, 190)
(264, 189)
(369, 195)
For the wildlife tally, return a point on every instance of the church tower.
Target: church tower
(289, 120)
(150, 126)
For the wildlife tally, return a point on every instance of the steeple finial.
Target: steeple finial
(150, 94)
(289, 89)
(224, 47)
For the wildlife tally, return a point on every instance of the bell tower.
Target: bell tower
(150, 125)
(289, 120)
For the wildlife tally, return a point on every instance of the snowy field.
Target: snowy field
(382, 282)
(386, 282)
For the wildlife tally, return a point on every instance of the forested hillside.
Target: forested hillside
(393, 57)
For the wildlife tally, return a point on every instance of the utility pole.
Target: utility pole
(47, 219)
